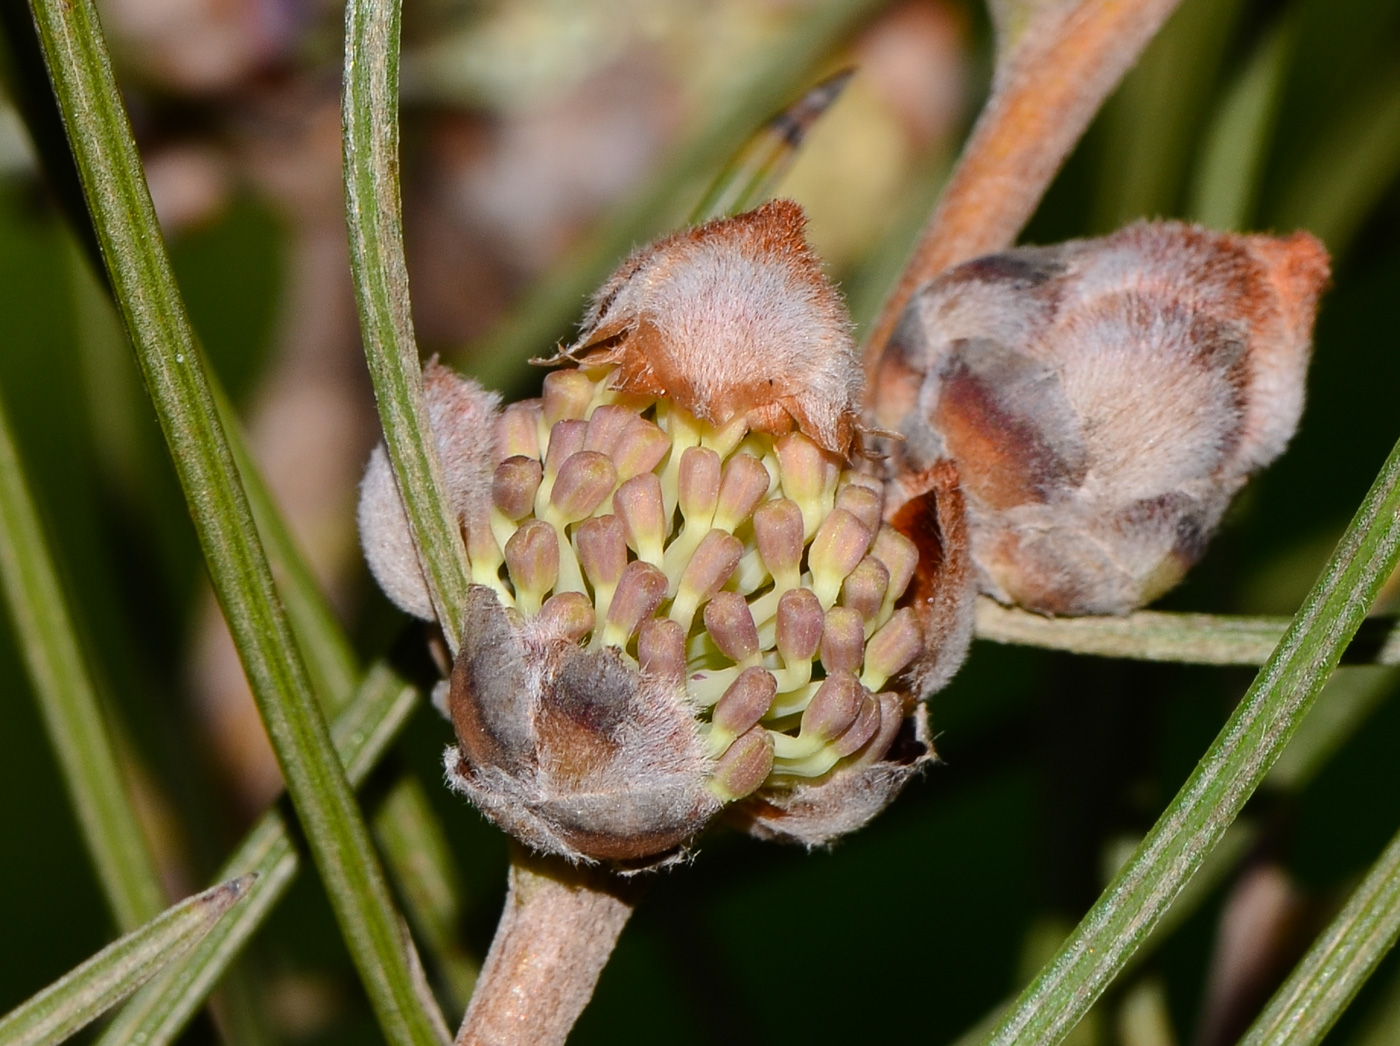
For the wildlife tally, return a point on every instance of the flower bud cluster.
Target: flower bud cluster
(752, 573)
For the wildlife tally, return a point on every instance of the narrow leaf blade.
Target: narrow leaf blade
(89, 990)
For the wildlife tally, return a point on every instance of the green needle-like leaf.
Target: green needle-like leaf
(371, 130)
(558, 297)
(1224, 779)
(143, 284)
(1338, 963)
(420, 860)
(91, 989)
(362, 731)
(1150, 635)
(71, 711)
(1237, 141)
(768, 155)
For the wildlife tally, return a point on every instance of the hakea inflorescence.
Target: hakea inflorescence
(687, 597)
(701, 588)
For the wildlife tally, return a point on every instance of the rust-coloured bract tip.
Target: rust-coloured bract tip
(733, 319)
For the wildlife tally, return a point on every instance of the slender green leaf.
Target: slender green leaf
(143, 284)
(1225, 778)
(371, 142)
(1237, 141)
(363, 730)
(1149, 635)
(558, 296)
(1351, 696)
(1338, 963)
(1153, 122)
(420, 862)
(91, 989)
(72, 714)
(760, 164)
(330, 661)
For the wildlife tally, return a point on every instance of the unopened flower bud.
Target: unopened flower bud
(863, 502)
(777, 527)
(864, 588)
(866, 723)
(602, 551)
(639, 592)
(514, 484)
(565, 440)
(745, 702)
(518, 429)
(808, 477)
(641, 449)
(729, 622)
(1103, 400)
(893, 647)
(566, 394)
(900, 557)
(638, 504)
(799, 625)
(839, 544)
(744, 767)
(835, 707)
(698, 490)
(661, 649)
(583, 482)
(568, 614)
(532, 557)
(744, 485)
(606, 425)
(709, 568)
(843, 640)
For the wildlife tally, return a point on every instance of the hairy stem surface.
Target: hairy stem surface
(559, 926)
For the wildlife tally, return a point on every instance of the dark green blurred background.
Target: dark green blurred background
(525, 125)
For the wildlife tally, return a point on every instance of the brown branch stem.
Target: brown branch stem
(556, 933)
(1049, 84)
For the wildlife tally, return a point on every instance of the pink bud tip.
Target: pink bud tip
(585, 479)
(606, 426)
(709, 568)
(699, 483)
(745, 483)
(745, 702)
(729, 622)
(863, 729)
(532, 557)
(777, 527)
(567, 394)
(864, 588)
(602, 549)
(900, 556)
(640, 591)
(843, 640)
(640, 449)
(638, 504)
(661, 649)
(514, 484)
(799, 625)
(839, 544)
(744, 766)
(897, 642)
(834, 708)
(863, 502)
(568, 614)
(517, 429)
(565, 440)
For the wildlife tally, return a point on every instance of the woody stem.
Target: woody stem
(1050, 81)
(556, 933)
